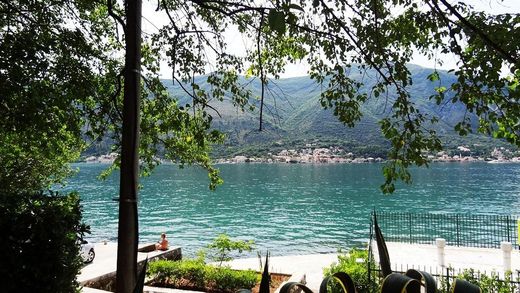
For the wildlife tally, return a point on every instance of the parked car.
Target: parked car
(87, 251)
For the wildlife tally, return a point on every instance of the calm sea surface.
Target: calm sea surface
(290, 209)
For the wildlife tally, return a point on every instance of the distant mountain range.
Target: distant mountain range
(294, 118)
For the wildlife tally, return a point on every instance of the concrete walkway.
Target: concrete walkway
(105, 262)
(404, 255)
(310, 265)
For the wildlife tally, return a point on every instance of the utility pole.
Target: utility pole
(127, 238)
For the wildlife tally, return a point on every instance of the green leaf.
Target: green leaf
(440, 89)
(433, 76)
(295, 6)
(276, 20)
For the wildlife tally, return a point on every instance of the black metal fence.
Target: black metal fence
(485, 231)
(445, 277)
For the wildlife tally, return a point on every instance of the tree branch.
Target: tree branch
(261, 70)
(117, 93)
(485, 38)
(195, 98)
(115, 16)
(366, 56)
(243, 8)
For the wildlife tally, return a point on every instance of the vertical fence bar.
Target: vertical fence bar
(410, 226)
(517, 234)
(508, 232)
(447, 279)
(369, 269)
(482, 220)
(496, 231)
(458, 229)
(502, 234)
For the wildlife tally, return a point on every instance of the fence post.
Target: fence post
(441, 243)
(506, 248)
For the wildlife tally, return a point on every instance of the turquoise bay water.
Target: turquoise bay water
(290, 208)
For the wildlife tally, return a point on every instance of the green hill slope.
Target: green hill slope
(294, 118)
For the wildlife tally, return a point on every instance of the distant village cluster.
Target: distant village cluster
(333, 155)
(110, 158)
(339, 155)
(305, 155)
(498, 155)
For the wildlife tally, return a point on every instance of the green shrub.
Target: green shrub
(164, 271)
(355, 264)
(491, 283)
(199, 274)
(222, 246)
(226, 279)
(39, 251)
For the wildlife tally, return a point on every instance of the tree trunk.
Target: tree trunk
(128, 225)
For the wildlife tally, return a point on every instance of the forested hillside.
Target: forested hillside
(294, 118)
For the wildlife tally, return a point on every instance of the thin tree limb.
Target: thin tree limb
(485, 38)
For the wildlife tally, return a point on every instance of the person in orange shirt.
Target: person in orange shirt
(162, 244)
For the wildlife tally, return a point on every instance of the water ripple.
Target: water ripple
(290, 209)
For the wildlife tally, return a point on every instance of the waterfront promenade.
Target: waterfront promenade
(402, 257)
(309, 266)
(105, 263)
(424, 257)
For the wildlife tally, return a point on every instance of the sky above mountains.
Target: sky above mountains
(153, 20)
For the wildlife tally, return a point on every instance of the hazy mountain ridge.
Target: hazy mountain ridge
(293, 116)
